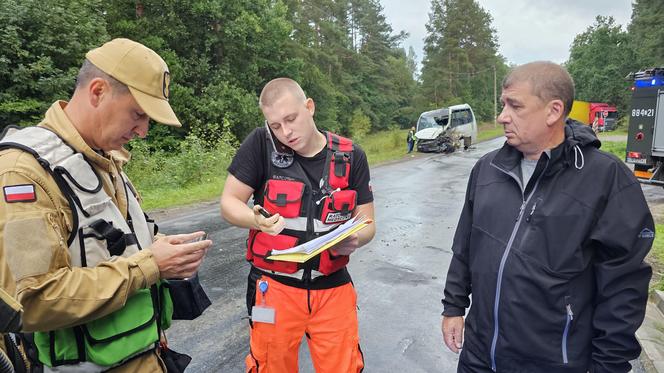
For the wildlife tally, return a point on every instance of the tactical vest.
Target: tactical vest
(308, 212)
(100, 234)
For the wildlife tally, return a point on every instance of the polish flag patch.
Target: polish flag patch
(20, 193)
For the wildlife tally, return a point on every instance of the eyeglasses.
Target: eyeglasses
(279, 159)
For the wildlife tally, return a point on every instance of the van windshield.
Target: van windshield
(431, 121)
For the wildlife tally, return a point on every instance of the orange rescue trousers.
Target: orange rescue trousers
(329, 319)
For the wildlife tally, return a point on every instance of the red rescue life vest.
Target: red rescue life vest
(309, 212)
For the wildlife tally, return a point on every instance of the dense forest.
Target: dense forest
(344, 52)
(220, 53)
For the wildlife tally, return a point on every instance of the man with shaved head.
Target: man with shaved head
(305, 183)
(550, 243)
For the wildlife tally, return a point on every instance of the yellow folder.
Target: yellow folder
(303, 257)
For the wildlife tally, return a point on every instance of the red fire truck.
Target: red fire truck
(587, 112)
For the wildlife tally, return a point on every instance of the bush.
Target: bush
(192, 164)
(360, 125)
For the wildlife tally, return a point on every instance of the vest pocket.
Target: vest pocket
(115, 337)
(60, 347)
(284, 197)
(111, 339)
(329, 263)
(261, 245)
(339, 170)
(339, 206)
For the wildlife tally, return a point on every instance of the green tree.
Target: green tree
(320, 40)
(220, 53)
(460, 57)
(599, 60)
(352, 61)
(42, 45)
(646, 32)
(382, 67)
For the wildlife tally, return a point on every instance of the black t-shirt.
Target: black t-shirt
(250, 167)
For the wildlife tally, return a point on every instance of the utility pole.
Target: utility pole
(449, 74)
(495, 99)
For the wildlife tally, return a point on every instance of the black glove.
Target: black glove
(10, 313)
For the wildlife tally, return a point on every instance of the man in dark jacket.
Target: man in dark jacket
(555, 263)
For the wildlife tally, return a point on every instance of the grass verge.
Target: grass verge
(164, 197)
(488, 131)
(616, 148)
(384, 146)
(619, 131)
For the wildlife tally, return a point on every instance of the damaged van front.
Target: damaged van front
(430, 127)
(443, 129)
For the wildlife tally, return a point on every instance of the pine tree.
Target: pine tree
(599, 60)
(460, 55)
(646, 32)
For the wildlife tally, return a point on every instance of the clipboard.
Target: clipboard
(303, 257)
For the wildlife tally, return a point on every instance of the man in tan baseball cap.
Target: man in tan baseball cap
(81, 254)
(142, 71)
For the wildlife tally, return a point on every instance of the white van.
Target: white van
(432, 125)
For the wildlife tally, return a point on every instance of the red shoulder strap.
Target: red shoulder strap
(339, 143)
(339, 160)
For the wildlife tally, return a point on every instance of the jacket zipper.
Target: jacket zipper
(519, 218)
(532, 211)
(568, 323)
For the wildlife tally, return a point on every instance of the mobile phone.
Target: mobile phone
(200, 238)
(264, 212)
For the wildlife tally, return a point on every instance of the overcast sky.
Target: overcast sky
(527, 30)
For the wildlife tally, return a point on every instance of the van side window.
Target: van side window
(461, 117)
(441, 121)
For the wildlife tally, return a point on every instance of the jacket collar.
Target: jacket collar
(56, 119)
(578, 135)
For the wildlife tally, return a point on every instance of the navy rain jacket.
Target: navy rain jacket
(555, 268)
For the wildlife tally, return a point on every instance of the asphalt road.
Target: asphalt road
(399, 276)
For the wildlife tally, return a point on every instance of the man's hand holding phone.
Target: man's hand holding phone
(199, 238)
(268, 223)
(180, 255)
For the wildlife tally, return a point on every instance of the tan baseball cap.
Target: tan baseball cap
(143, 71)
